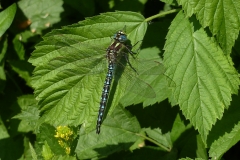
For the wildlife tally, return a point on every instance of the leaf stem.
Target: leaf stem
(162, 14)
(155, 142)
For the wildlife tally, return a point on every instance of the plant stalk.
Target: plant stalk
(162, 14)
(155, 142)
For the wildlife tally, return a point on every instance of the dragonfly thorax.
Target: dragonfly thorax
(111, 55)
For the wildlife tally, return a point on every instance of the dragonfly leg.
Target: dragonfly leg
(129, 48)
(127, 59)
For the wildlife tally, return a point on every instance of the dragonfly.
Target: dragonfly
(113, 52)
(76, 54)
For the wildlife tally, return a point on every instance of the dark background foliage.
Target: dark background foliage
(16, 93)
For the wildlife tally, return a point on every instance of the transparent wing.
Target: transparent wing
(145, 68)
(79, 59)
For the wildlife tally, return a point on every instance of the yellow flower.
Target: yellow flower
(68, 150)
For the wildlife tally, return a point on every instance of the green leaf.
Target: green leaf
(226, 133)
(29, 113)
(146, 152)
(34, 155)
(172, 2)
(161, 138)
(3, 51)
(64, 78)
(41, 14)
(138, 143)
(8, 145)
(222, 17)
(3, 131)
(118, 132)
(66, 157)
(236, 48)
(27, 153)
(23, 69)
(18, 47)
(185, 138)
(160, 115)
(47, 133)
(179, 127)
(6, 18)
(46, 151)
(223, 144)
(204, 77)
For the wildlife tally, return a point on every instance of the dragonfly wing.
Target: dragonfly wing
(129, 79)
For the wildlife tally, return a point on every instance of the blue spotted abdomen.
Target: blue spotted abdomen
(104, 97)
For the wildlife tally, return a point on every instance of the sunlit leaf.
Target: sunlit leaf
(221, 16)
(203, 75)
(6, 18)
(68, 79)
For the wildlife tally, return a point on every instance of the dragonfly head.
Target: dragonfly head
(120, 36)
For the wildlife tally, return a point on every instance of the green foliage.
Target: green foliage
(225, 25)
(29, 113)
(46, 152)
(6, 17)
(34, 155)
(199, 59)
(3, 52)
(111, 137)
(188, 53)
(41, 14)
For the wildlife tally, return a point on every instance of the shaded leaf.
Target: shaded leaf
(3, 51)
(47, 133)
(18, 47)
(27, 155)
(172, 2)
(34, 155)
(193, 147)
(23, 68)
(29, 113)
(86, 8)
(9, 145)
(66, 157)
(118, 132)
(223, 144)
(41, 14)
(3, 131)
(161, 138)
(191, 159)
(179, 128)
(225, 134)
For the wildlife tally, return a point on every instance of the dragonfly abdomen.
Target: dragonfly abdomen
(104, 97)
